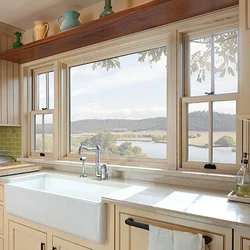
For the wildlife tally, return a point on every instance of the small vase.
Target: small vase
(18, 40)
(40, 30)
(107, 9)
(70, 20)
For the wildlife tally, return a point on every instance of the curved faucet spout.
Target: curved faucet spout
(97, 149)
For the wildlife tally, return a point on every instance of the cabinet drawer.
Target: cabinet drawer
(1, 193)
(66, 245)
(132, 238)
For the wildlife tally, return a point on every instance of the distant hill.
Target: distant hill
(117, 125)
(198, 122)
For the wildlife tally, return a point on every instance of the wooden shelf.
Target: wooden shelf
(139, 18)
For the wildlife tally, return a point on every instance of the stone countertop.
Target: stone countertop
(207, 206)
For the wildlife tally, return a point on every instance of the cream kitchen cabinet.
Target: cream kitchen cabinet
(26, 238)
(22, 234)
(244, 55)
(132, 238)
(60, 244)
(242, 239)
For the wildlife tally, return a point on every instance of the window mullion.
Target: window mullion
(43, 138)
(47, 90)
(210, 131)
(212, 65)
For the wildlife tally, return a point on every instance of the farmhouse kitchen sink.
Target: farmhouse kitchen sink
(71, 205)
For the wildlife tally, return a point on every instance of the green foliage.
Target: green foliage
(107, 64)
(159, 138)
(153, 56)
(126, 149)
(225, 141)
(107, 142)
(225, 47)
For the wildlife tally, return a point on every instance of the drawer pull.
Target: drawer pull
(54, 248)
(42, 246)
(132, 223)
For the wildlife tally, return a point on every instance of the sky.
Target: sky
(135, 90)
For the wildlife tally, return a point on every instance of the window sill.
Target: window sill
(71, 166)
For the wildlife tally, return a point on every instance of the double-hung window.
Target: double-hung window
(210, 128)
(42, 112)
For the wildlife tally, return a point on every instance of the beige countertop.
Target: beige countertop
(195, 204)
(17, 168)
(190, 203)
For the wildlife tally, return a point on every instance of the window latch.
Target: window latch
(209, 93)
(210, 166)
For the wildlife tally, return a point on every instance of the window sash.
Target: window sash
(35, 87)
(209, 99)
(186, 40)
(32, 119)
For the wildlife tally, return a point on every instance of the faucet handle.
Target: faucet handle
(104, 171)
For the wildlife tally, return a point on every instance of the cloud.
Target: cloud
(95, 112)
(86, 80)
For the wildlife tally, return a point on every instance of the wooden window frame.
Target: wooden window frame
(170, 35)
(187, 99)
(30, 89)
(146, 41)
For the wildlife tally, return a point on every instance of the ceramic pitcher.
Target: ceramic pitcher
(70, 20)
(40, 30)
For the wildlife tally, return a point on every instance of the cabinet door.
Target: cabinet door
(132, 238)
(60, 244)
(246, 244)
(242, 239)
(244, 54)
(25, 238)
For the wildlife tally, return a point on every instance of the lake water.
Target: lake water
(159, 150)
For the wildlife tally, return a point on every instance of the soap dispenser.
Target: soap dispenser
(243, 178)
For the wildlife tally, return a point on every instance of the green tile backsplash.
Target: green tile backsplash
(10, 141)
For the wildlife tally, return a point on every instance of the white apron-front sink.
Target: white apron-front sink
(73, 206)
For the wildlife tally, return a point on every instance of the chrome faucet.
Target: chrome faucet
(101, 170)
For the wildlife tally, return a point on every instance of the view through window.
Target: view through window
(213, 71)
(42, 114)
(120, 104)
